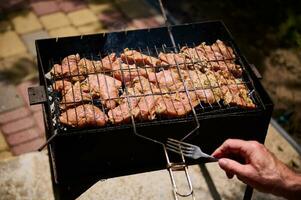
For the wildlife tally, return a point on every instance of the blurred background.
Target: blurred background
(268, 33)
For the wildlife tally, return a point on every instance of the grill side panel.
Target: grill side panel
(118, 153)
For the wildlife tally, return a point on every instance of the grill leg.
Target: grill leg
(213, 191)
(248, 193)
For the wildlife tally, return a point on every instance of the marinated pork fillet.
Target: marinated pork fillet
(143, 103)
(143, 86)
(84, 115)
(173, 59)
(147, 107)
(127, 107)
(237, 95)
(135, 57)
(229, 69)
(74, 68)
(203, 52)
(96, 86)
(175, 105)
(166, 78)
(74, 96)
(69, 68)
(91, 66)
(61, 86)
(127, 72)
(104, 87)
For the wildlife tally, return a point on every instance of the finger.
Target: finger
(236, 146)
(235, 168)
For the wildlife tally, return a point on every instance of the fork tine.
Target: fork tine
(175, 151)
(176, 142)
(180, 142)
(178, 148)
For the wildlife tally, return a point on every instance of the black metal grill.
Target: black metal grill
(78, 155)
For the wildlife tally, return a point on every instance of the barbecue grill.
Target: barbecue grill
(78, 156)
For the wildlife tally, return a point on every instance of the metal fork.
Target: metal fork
(188, 150)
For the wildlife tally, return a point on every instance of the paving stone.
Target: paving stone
(36, 108)
(5, 155)
(23, 136)
(113, 20)
(99, 8)
(64, 32)
(71, 5)
(11, 44)
(135, 8)
(26, 177)
(25, 22)
(82, 17)
(54, 20)
(9, 62)
(3, 143)
(44, 7)
(18, 125)
(38, 116)
(145, 22)
(29, 40)
(95, 27)
(9, 98)
(30, 146)
(12, 115)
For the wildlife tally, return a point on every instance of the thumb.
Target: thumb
(233, 167)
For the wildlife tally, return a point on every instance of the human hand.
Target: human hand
(260, 168)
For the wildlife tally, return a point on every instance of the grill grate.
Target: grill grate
(189, 65)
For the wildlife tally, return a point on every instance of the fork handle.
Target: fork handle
(212, 159)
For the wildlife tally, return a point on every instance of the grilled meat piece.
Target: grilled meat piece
(173, 59)
(84, 115)
(135, 57)
(91, 66)
(107, 62)
(237, 95)
(61, 86)
(128, 105)
(69, 68)
(76, 69)
(95, 86)
(230, 69)
(214, 52)
(128, 72)
(147, 107)
(104, 87)
(142, 100)
(74, 96)
(166, 78)
(143, 86)
(175, 105)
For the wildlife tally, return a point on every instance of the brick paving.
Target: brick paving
(24, 21)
